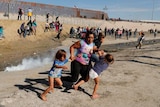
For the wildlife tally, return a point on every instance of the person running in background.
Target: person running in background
(22, 31)
(104, 61)
(56, 72)
(59, 31)
(140, 40)
(155, 32)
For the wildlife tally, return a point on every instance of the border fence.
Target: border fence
(11, 6)
(75, 16)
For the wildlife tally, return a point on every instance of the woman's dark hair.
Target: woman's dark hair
(88, 33)
(60, 53)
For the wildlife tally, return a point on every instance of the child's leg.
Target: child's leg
(59, 82)
(51, 84)
(94, 94)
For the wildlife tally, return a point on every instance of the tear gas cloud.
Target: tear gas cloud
(30, 63)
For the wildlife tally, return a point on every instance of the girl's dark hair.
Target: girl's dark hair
(60, 53)
(109, 58)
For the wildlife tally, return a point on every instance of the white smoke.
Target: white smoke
(36, 62)
(29, 64)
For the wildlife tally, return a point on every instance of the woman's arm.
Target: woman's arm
(76, 45)
(101, 53)
(95, 49)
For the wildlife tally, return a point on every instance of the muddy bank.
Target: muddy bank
(14, 52)
(121, 46)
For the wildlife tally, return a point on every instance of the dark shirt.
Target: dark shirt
(100, 66)
(97, 43)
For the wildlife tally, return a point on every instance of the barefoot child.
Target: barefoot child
(99, 66)
(56, 72)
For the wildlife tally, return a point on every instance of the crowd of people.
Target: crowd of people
(78, 32)
(53, 26)
(117, 33)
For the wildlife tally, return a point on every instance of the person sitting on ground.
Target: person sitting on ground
(104, 61)
(22, 31)
(56, 72)
(52, 25)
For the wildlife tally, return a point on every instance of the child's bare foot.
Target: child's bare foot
(43, 97)
(95, 96)
(75, 87)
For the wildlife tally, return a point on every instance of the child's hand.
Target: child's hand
(101, 52)
(64, 67)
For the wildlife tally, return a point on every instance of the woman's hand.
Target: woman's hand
(72, 58)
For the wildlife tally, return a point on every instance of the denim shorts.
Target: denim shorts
(56, 73)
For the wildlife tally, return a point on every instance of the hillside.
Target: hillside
(14, 48)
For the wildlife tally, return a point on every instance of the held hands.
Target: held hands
(65, 67)
(72, 58)
(101, 52)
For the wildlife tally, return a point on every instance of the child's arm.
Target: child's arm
(65, 61)
(61, 66)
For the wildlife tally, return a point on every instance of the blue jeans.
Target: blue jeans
(94, 58)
